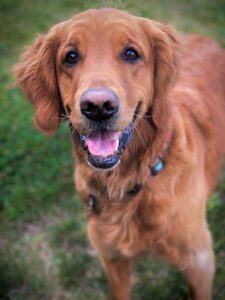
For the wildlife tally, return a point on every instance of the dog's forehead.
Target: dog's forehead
(103, 14)
(103, 23)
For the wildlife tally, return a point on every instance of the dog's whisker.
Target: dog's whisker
(146, 117)
(65, 116)
(139, 135)
(60, 118)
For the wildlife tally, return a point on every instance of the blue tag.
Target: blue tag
(157, 168)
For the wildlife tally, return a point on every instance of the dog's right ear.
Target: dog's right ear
(36, 75)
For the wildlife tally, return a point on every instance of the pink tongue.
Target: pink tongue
(103, 144)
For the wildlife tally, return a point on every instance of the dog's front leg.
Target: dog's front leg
(198, 265)
(116, 266)
(200, 275)
(118, 273)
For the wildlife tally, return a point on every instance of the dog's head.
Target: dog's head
(104, 69)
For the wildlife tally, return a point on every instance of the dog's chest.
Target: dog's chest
(121, 214)
(126, 228)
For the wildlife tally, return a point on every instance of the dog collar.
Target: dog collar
(155, 170)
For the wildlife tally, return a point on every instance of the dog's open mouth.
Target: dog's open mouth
(105, 147)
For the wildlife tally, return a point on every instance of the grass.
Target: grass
(44, 251)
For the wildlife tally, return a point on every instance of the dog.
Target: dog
(146, 111)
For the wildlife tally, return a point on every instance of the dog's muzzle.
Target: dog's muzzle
(105, 147)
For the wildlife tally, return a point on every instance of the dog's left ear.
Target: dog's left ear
(164, 44)
(36, 75)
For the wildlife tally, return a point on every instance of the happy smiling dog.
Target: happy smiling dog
(147, 116)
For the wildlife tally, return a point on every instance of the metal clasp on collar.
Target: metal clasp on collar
(135, 190)
(91, 204)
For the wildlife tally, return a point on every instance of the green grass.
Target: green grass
(44, 251)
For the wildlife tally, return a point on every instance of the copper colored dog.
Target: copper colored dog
(147, 115)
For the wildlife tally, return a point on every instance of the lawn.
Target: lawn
(44, 252)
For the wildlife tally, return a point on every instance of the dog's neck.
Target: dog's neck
(129, 177)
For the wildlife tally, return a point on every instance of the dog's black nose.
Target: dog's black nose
(99, 103)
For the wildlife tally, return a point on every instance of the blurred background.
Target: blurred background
(44, 251)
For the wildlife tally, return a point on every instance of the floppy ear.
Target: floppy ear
(164, 45)
(36, 75)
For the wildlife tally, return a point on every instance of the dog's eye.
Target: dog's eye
(71, 58)
(130, 55)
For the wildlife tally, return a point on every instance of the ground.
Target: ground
(44, 251)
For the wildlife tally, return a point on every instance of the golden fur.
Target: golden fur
(181, 86)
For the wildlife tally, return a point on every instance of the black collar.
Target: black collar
(92, 201)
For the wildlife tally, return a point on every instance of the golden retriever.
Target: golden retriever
(147, 115)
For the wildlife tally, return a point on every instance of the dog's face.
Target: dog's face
(104, 69)
(104, 73)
